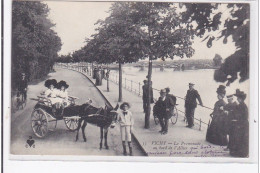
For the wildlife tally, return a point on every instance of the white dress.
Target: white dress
(64, 96)
(52, 96)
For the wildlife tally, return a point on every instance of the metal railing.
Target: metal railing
(130, 85)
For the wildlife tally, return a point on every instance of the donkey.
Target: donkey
(103, 118)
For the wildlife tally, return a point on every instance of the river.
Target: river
(178, 81)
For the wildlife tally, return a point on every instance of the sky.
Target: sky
(75, 21)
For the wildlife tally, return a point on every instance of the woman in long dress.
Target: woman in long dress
(239, 137)
(216, 133)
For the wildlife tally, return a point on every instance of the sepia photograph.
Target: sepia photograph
(135, 79)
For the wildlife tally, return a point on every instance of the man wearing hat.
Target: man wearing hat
(164, 106)
(230, 109)
(22, 86)
(191, 103)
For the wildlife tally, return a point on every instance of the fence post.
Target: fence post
(200, 124)
(131, 85)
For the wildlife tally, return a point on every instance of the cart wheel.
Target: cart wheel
(156, 120)
(39, 123)
(174, 117)
(71, 124)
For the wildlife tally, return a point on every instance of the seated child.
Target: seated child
(51, 92)
(63, 93)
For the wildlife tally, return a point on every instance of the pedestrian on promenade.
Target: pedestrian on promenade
(145, 95)
(126, 122)
(98, 77)
(95, 72)
(216, 133)
(145, 88)
(239, 140)
(22, 86)
(191, 104)
(230, 110)
(162, 109)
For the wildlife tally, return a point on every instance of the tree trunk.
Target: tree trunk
(120, 82)
(148, 110)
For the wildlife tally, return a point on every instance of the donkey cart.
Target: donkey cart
(43, 119)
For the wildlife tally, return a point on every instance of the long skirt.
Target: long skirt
(239, 139)
(216, 133)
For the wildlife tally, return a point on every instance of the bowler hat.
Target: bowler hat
(163, 91)
(123, 104)
(191, 84)
(50, 82)
(240, 94)
(221, 90)
(62, 83)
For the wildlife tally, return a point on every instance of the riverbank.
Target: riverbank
(179, 142)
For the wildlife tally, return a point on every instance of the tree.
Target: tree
(34, 43)
(137, 30)
(117, 40)
(236, 26)
(166, 36)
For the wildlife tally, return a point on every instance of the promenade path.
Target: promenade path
(62, 141)
(179, 142)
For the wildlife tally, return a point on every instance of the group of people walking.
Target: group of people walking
(229, 126)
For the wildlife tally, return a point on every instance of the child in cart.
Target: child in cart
(63, 93)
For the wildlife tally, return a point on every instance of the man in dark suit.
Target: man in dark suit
(22, 86)
(145, 95)
(191, 103)
(164, 106)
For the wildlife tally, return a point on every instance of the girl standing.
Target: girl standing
(126, 122)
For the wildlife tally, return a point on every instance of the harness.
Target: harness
(97, 113)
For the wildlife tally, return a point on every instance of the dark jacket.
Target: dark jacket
(241, 112)
(191, 97)
(231, 107)
(22, 85)
(145, 93)
(161, 106)
(173, 98)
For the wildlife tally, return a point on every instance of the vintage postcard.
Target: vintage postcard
(139, 79)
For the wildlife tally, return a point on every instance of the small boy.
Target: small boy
(126, 122)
